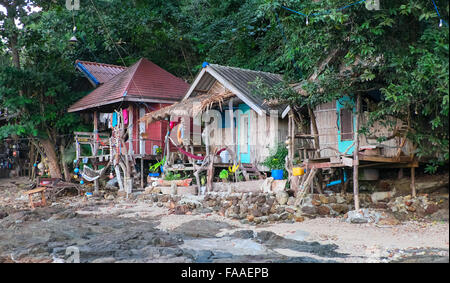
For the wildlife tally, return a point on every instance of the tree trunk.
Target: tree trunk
(14, 50)
(65, 167)
(53, 162)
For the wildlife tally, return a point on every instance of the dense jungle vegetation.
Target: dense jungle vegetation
(401, 49)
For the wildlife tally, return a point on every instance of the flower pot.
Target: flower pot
(298, 171)
(277, 174)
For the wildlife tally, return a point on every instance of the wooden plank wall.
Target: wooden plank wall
(389, 147)
(326, 120)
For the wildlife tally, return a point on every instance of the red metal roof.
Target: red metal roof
(142, 82)
(102, 72)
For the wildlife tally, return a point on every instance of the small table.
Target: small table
(30, 194)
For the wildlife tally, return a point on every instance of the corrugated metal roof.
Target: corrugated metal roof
(142, 82)
(101, 72)
(240, 79)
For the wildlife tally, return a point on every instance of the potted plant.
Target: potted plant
(155, 168)
(175, 178)
(276, 161)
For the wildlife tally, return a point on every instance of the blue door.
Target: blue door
(244, 133)
(345, 109)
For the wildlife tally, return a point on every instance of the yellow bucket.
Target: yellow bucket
(298, 171)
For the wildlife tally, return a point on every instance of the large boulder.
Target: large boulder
(282, 197)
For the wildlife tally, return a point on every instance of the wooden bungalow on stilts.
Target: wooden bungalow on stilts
(333, 145)
(222, 122)
(122, 97)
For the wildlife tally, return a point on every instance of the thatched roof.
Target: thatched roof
(189, 107)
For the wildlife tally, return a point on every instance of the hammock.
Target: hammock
(196, 157)
(90, 174)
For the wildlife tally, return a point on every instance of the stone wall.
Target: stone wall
(260, 207)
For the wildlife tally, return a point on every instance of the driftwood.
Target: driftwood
(306, 183)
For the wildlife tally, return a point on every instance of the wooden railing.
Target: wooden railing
(97, 142)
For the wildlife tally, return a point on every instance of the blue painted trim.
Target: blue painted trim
(245, 157)
(90, 76)
(343, 145)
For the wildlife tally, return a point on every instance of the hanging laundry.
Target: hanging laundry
(125, 116)
(109, 120)
(103, 118)
(114, 119)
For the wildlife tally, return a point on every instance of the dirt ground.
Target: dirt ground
(121, 230)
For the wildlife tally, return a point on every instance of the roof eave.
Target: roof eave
(122, 99)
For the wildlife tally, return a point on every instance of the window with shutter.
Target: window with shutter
(346, 124)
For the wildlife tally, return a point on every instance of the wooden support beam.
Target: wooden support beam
(142, 173)
(375, 158)
(96, 187)
(356, 155)
(413, 181)
(314, 130)
(231, 114)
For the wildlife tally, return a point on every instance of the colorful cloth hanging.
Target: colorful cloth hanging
(114, 119)
(125, 116)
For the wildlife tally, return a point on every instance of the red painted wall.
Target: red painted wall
(155, 132)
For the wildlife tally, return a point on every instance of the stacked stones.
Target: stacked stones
(333, 204)
(250, 207)
(420, 205)
(269, 207)
(259, 208)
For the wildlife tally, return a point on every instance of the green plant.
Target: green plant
(276, 159)
(154, 168)
(224, 174)
(203, 180)
(170, 176)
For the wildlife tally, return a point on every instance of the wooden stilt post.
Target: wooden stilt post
(230, 108)
(400, 173)
(343, 188)
(315, 131)
(413, 181)
(355, 155)
(142, 172)
(95, 148)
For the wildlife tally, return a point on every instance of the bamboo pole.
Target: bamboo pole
(355, 155)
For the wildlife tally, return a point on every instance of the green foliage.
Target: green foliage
(277, 158)
(398, 49)
(155, 167)
(223, 174)
(170, 176)
(433, 166)
(203, 180)
(69, 154)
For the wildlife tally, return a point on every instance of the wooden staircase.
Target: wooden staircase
(249, 170)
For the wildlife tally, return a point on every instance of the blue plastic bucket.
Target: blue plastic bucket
(277, 174)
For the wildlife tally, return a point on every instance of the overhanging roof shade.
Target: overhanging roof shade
(98, 73)
(238, 81)
(142, 82)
